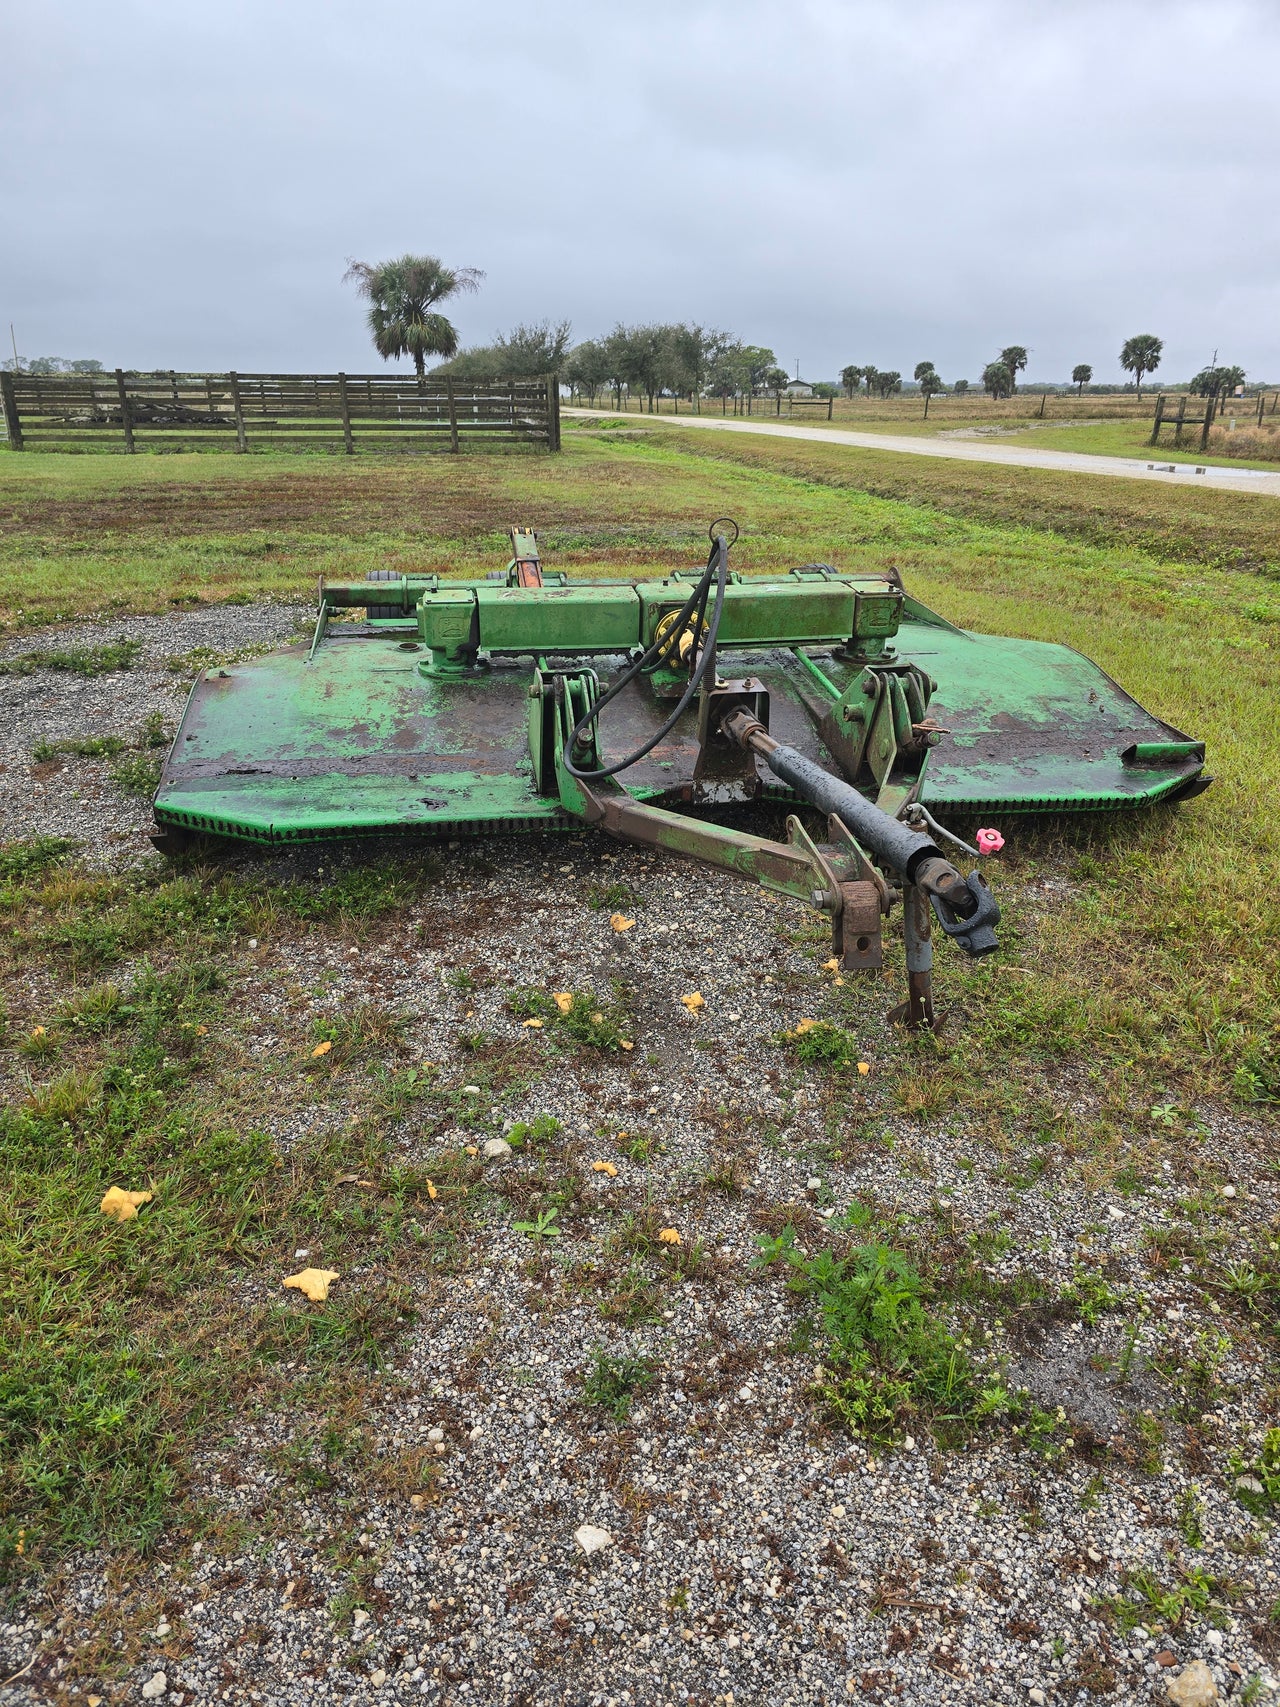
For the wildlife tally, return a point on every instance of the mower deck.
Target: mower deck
(368, 735)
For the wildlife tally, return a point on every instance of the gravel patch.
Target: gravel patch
(74, 797)
(744, 1552)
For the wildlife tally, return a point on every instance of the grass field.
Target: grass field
(1136, 1004)
(1129, 438)
(92, 534)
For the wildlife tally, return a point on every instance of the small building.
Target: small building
(797, 387)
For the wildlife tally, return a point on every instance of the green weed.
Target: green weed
(891, 1365)
(822, 1044)
(76, 660)
(575, 1016)
(614, 1382)
(92, 747)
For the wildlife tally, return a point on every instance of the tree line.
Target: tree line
(52, 364)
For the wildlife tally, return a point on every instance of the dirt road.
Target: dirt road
(970, 450)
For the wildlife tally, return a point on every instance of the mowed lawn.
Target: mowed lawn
(1171, 935)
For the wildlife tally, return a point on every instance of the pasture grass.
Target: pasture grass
(1128, 1003)
(1129, 439)
(86, 536)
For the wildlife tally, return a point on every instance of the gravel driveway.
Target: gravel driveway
(1251, 480)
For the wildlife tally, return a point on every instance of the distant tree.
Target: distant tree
(1014, 357)
(824, 389)
(960, 387)
(402, 296)
(1231, 378)
(776, 380)
(645, 360)
(1141, 355)
(527, 351)
(851, 379)
(43, 365)
(929, 382)
(693, 355)
(725, 371)
(870, 375)
(1217, 384)
(1081, 374)
(997, 379)
(615, 362)
(587, 369)
(888, 383)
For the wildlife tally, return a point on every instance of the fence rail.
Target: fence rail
(237, 411)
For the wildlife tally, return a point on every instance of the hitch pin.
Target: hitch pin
(913, 813)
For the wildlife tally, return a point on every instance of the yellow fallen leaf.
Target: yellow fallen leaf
(625, 1043)
(321, 1049)
(94, 1700)
(563, 1000)
(432, 1193)
(668, 1236)
(620, 922)
(418, 1501)
(693, 1001)
(354, 1179)
(604, 1168)
(533, 1025)
(864, 1067)
(802, 1025)
(472, 1149)
(36, 1031)
(839, 983)
(597, 1019)
(202, 1031)
(832, 965)
(314, 1282)
(123, 1204)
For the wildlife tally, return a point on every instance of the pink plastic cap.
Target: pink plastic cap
(990, 841)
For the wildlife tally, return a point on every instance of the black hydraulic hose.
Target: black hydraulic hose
(695, 605)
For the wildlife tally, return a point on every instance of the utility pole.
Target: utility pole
(14, 342)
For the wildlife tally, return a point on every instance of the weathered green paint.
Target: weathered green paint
(392, 726)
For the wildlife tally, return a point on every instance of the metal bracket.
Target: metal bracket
(724, 770)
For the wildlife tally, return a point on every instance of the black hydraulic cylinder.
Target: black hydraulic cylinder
(891, 842)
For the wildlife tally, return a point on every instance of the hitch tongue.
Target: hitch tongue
(964, 906)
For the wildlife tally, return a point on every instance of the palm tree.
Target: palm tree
(1014, 357)
(1081, 374)
(402, 295)
(1141, 355)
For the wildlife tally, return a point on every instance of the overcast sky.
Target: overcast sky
(182, 180)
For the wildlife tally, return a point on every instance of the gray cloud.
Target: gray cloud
(846, 182)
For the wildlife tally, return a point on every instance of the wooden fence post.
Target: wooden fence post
(553, 411)
(125, 420)
(831, 403)
(453, 417)
(1177, 426)
(1208, 422)
(347, 440)
(12, 420)
(237, 409)
(1155, 428)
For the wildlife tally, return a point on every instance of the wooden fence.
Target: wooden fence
(240, 411)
